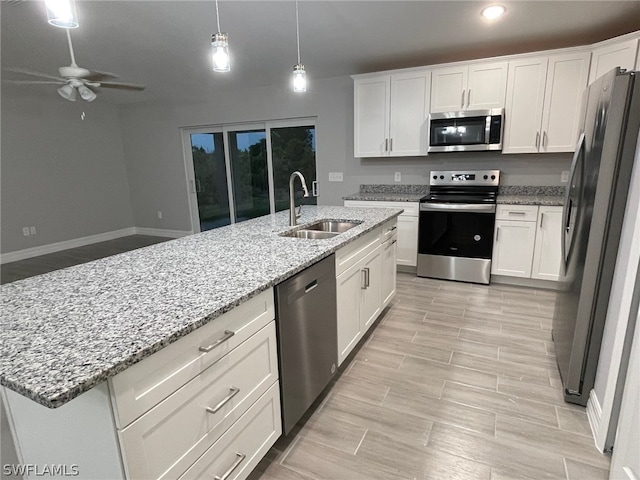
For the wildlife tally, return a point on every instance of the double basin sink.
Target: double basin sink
(322, 229)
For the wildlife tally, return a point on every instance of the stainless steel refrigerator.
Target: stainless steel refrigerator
(594, 206)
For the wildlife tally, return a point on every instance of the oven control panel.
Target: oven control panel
(488, 178)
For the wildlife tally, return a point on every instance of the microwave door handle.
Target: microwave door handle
(487, 130)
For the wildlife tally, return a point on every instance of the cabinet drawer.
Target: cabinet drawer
(389, 229)
(527, 213)
(165, 441)
(148, 382)
(353, 252)
(411, 209)
(241, 448)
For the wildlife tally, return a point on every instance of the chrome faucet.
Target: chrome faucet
(293, 215)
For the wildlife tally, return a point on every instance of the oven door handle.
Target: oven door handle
(457, 207)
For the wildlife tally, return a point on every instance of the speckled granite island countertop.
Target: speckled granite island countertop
(66, 331)
(548, 196)
(390, 193)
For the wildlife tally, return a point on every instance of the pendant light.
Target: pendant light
(299, 75)
(220, 48)
(62, 13)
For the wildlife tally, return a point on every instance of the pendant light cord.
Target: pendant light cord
(297, 31)
(217, 16)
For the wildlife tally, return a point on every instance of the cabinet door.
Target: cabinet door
(448, 89)
(606, 58)
(371, 117)
(349, 286)
(566, 81)
(388, 270)
(513, 248)
(371, 303)
(524, 103)
(409, 111)
(546, 255)
(407, 241)
(487, 86)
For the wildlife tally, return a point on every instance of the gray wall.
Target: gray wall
(155, 163)
(64, 175)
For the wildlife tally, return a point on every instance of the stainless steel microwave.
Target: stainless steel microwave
(470, 130)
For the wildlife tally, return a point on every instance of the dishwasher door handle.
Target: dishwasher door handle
(311, 286)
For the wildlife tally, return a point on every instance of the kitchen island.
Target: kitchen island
(66, 332)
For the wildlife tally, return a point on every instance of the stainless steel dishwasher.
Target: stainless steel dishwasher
(307, 337)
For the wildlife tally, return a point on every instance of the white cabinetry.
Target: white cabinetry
(607, 57)
(527, 242)
(473, 87)
(547, 252)
(407, 246)
(206, 402)
(360, 286)
(544, 96)
(390, 113)
(388, 269)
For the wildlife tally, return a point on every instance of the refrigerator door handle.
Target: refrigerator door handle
(566, 209)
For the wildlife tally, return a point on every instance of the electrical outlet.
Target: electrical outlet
(398, 177)
(564, 176)
(32, 230)
(335, 176)
(159, 214)
(25, 231)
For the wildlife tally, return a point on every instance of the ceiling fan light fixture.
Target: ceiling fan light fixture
(220, 52)
(62, 13)
(68, 92)
(299, 78)
(492, 12)
(86, 93)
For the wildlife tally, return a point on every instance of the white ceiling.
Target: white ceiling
(166, 44)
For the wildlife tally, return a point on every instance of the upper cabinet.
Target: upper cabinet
(619, 54)
(390, 113)
(473, 87)
(543, 101)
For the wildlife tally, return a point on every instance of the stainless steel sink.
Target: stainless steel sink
(310, 234)
(332, 226)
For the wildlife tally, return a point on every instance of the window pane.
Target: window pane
(249, 173)
(293, 148)
(207, 150)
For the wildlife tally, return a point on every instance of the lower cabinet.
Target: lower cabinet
(527, 242)
(407, 246)
(365, 284)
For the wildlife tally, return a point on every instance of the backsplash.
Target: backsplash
(531, 190)
(404, 189)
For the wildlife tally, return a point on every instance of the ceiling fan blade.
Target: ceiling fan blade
(122, 86)
(32, 73)
(97, 76)
(35, 82)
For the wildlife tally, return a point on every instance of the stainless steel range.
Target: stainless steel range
(455, 239)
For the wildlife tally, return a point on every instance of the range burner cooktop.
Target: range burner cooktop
(463, 187)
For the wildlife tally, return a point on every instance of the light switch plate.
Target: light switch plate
(564, 176)
(397, 177)
(335, 176)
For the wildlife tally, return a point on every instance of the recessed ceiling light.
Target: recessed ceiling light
(493, 12)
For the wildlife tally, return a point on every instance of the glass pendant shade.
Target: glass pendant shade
(86, 93)
(220, 52)
(62, 13)
(67, 92)
(299, 78)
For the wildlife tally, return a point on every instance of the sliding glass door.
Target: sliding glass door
(238, 172)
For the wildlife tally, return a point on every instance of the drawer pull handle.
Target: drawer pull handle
(517, 213)
(239, 459)
(395, 241)
(233, 392)
(392, 229)
(227, 335)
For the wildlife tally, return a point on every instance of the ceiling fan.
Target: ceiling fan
(74, 79)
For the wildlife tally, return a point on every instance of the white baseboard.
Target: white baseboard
(82, 241)
(594, 414)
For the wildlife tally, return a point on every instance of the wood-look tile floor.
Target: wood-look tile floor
(30, 267)
(456, 381)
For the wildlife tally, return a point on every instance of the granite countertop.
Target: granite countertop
(390, 193)
(66, 331)
(547, 196)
